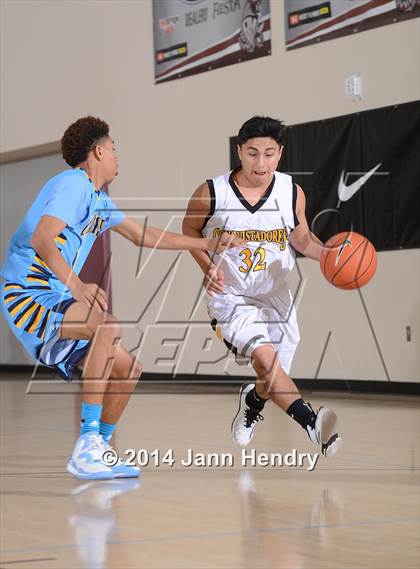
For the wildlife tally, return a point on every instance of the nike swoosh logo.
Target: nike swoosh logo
(341, 249)
(347, 192)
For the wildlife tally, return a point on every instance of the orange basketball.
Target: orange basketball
(348, 260)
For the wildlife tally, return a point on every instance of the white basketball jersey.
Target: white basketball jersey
(262, 266)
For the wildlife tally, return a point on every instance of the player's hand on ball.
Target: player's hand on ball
(224, 241)
(213, 280)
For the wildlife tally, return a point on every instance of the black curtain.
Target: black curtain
(386, 207)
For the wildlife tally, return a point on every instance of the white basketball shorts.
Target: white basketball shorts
(245, 323)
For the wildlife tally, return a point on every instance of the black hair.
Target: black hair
(80, 137)
(261, 127)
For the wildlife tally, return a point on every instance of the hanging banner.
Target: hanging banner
(359, 172)
(192, 36)
(309, 21)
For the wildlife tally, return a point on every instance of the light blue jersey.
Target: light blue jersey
(87, 212)
(32, 297)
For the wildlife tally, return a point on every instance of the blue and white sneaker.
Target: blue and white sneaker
(85, 462)
(120, 469)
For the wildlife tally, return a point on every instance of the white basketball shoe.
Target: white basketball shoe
(246, 419)
(323, 432)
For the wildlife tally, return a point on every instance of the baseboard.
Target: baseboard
(24, 369)
(340, 385)
(304, 384)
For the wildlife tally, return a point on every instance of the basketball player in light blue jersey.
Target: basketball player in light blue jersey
(63, 322)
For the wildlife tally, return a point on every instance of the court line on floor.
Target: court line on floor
(32, 428)
(27, 561)
(222, 534)
(203, 470)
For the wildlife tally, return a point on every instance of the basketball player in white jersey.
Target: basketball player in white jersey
(248, 298)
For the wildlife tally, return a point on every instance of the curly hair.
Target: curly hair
(80, 137)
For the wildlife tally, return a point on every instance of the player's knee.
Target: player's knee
(263, 364)
(106, 326)
(112, 328)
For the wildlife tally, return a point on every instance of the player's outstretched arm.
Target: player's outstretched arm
(301, 238)
(155, 238)
(48, 228)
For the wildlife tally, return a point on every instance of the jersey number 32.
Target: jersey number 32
(252, 260)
